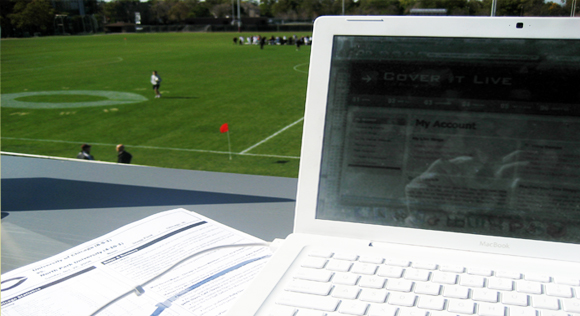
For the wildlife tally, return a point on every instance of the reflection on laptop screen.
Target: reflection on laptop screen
(467, 135)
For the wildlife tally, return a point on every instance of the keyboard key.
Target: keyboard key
(444, 278)
(373, 296)
(382, 310)
(480, 271)
(320, 253)
(572, 306)
(567, 281)
(402, 299)
(500, 284)
(307, 312)
(522, 311)
(390, 271)
(508, 275)
(537, 278)
(338, 265)
(371, 259)
(323, 303)
(472, 281)
(513, 298)
(281, 311)
(309, 287)
(313, 262)
(399, 285)
(313, 275)
(435, 303)
(443, 313)
(545, 302)
(398, 263)
(553, 313)
(374, 282)
(345, 292)
(427, 288)
(461, 307)
(486, 309)
(412, 312)
(364, 268)
(424, 265)
(345, 256)
(345, 278)
(454, 291)
(529, 287)
(417, 275)
(485, 295)
(452, 268)
(353, 308)
(559, 290)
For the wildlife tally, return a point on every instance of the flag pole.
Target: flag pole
(226, 129)
(229, 145)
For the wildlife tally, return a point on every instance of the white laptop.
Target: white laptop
(440, 172)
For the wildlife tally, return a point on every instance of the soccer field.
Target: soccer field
(61, 92)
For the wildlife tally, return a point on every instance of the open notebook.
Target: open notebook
(440, 172)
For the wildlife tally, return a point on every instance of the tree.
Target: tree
(179, 12)
(266, 8)
(201, 10)
(160, 10)
(32, 15)
(388, 7)
(286, 9)
(6, 8)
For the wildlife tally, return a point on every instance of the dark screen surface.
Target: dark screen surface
(467, 135)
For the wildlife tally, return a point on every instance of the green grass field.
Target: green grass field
(207, 81)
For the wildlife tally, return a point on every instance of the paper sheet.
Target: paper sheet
(83, 279)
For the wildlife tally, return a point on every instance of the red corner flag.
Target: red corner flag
(224, 128)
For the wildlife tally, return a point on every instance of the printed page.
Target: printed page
(85, 278)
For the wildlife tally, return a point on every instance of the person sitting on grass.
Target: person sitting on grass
(123, 156)
(85, 152)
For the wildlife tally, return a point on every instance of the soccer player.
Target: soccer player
(156, 82)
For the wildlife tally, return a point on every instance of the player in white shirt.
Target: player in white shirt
(156, 82)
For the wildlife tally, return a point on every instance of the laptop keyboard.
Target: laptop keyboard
(329, 283)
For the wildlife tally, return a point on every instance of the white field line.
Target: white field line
(300, 65)
(153, 147)
(270, 137)
(66, 159)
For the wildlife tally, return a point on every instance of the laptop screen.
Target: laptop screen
(467, 135)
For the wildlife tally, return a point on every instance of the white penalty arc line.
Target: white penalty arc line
(299, 65)
(154, 148)
(271, 136)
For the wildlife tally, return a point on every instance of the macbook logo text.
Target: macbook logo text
(493, 245)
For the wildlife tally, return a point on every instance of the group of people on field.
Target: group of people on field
(284, 40)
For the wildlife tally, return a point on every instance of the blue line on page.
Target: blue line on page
(162, 306)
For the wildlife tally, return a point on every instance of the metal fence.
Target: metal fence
(225, 28)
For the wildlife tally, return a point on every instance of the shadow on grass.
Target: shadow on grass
(35, 194)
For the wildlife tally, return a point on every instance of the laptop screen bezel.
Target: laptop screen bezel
(325, 30)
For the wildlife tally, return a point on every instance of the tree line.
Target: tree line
(44, 17)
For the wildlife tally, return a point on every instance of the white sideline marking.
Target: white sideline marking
(153, 147)
(271, 136)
